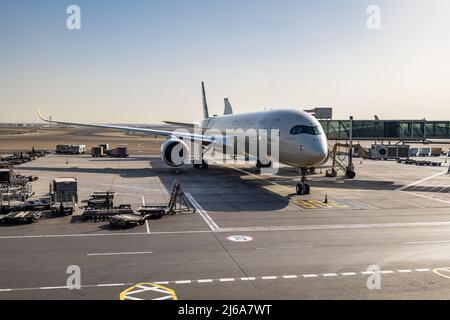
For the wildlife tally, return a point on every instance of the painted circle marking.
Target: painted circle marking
(443, 272)
(152, 290)
(240, 238)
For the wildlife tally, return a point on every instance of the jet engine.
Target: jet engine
(175, 152)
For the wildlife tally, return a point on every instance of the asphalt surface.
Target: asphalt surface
(393, 217)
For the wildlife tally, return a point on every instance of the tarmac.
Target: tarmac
(252, 237)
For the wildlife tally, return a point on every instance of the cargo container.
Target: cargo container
(63, 195)
(424, 152)
(120, 151)
(70, 149)
(6, 176)
(413, 152)
(436, 152)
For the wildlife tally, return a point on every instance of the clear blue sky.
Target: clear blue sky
(142, 61)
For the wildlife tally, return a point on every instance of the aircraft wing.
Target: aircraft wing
(181, 124)
(183, 135)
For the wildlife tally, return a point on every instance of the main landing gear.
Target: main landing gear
(303, 187)
(204, 165)
(260, 164)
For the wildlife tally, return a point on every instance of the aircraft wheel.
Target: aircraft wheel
(303, 189)
(350, 174)
(197, 166)
(260, 165)
(306, 189)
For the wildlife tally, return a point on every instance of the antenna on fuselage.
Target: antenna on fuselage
(205, 103)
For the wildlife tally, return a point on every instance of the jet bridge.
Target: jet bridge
(402, 130)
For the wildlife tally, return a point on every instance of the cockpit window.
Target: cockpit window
(313, 130)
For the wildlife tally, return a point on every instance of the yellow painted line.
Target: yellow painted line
(146, 286)
(318, 204)
(439, 272)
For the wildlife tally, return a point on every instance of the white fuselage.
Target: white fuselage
(302, 141)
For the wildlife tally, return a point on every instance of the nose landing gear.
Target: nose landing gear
(303, 187)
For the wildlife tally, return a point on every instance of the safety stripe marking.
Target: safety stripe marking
(222, 280)
(183, 281)
(205, 280)
(269, 278)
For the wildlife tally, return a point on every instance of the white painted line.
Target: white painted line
(111, 285)
(277, 248)
(133, 298)
(210, 222)
(82, 235)
(183, 281)
(247, 229)
(386, 271)
(425, 242)
(147, 226)
(118, 253)
(225, 279)
(164, 298)
(426, 197)
(339, 226)
(420, 181)
(180, 232)
(54, 288)
(437, 186)
(143, 201)
(205, 280)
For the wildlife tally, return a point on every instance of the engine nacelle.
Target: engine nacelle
(175, 152)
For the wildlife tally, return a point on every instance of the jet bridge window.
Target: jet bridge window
(306, 130)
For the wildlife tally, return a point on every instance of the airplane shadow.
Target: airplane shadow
(226, 190)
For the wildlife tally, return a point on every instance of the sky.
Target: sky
(142, 61)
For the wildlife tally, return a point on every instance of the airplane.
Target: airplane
(302, 141)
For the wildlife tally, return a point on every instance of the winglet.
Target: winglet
(41, 117)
